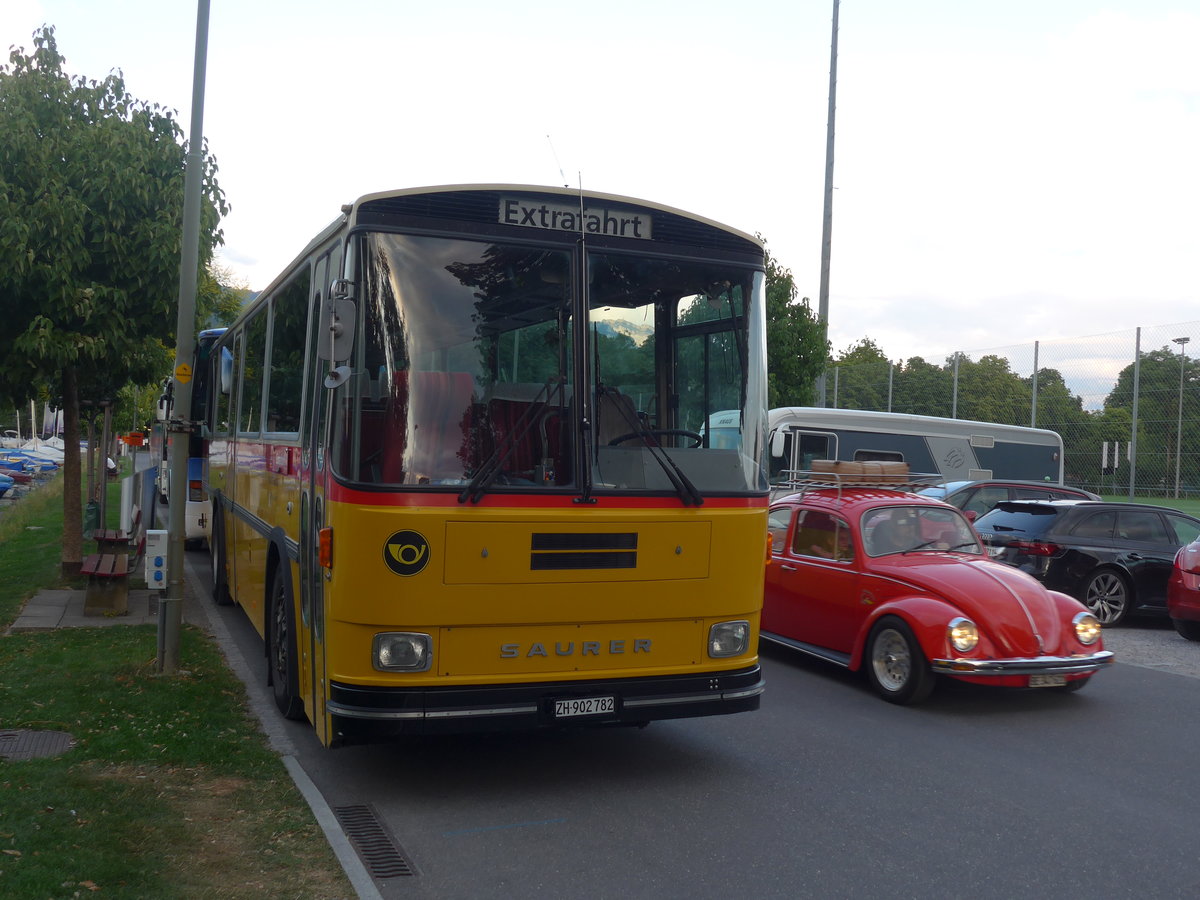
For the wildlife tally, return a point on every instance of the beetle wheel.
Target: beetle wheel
(1108, 596)
(282, 652)
(895, 665)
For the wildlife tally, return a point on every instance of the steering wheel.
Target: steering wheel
(697, 439)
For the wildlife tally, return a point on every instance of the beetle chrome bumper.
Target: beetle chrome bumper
(1037, 665)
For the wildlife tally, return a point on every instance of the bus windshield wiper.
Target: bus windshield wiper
(688, 492)
(494, 464)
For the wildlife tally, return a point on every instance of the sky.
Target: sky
(1003, 173)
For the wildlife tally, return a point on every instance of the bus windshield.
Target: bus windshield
(471, 355)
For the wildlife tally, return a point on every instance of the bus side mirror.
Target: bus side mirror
(778, 440)
(337, 328)
(226, 370)
(163, 411)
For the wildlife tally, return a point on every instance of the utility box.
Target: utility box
(156, 559)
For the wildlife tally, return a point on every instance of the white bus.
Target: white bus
(955, 449)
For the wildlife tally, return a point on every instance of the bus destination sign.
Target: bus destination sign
(563, 217)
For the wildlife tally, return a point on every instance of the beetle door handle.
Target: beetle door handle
(1135, 556)
(788, 568)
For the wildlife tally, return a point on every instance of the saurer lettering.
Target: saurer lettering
(571, 648)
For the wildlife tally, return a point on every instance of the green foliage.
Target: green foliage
(797, 352)
(91, 197)
(91, 201)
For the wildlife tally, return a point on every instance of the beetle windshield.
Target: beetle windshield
(900, 529)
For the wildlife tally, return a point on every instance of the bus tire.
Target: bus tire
(220, 576)
(282, 673)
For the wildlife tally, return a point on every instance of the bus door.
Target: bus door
(313, 477)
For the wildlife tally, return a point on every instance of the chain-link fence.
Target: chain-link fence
(1127, 404)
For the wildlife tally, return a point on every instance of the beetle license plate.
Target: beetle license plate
(1047, 680)
(584, 706)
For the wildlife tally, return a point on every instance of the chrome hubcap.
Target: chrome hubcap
(891, 660)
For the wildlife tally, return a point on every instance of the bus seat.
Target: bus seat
(615, 415)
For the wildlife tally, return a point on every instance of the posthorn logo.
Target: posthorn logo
(406, 552)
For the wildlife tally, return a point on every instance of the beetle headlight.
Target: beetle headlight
(402, 651)
(1087, 627)
(963, 634)
(728, 638)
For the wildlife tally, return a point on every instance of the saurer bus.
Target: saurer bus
(459, 474)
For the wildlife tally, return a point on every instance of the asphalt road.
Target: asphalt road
(824, 792)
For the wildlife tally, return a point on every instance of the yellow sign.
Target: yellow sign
(183, 373)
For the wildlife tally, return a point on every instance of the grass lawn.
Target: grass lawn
(1183, 504)
(169, 790)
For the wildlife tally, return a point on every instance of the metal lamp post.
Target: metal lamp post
(1182, 342)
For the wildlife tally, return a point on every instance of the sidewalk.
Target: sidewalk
(48, 610)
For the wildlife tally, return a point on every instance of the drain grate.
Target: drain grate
(373, 843)
(25, 744)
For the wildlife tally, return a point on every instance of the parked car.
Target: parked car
(1114, 557)
(1183, 592)
(899, 586)
(977, 497)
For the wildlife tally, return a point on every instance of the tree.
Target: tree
(796, 349)
(1159, 398)
(862, 377)
(91, 199)
(989, 391)
(923, 389)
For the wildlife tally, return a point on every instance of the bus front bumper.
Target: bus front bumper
(364, 712)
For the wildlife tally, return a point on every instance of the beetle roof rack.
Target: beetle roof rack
(801, 481)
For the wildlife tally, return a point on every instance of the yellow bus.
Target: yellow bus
(459, 469)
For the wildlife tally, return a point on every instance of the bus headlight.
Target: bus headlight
(1087, 628)
(728, 638)
(402, 651)
(963, 634)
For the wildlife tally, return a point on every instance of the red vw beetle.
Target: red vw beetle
(899, 585)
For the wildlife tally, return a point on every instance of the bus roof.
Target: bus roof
(817, 418)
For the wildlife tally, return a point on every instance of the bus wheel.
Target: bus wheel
(220, 579)
(282, 651)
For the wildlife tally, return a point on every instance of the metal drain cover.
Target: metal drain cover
(372, 841)
(25, 744)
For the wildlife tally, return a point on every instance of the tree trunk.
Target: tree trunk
(72, 545)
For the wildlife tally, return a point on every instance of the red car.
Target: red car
(1183, 592)
(899, 586)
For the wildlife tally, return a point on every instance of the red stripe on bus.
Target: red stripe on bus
(339, 493)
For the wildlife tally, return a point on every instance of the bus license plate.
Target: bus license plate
(1047, 680)
(584, 706)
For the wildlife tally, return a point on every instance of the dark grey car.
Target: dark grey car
(1113, 557)
(977, 497)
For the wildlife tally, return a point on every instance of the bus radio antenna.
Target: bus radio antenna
(554, 153)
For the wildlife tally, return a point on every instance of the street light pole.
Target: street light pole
(170, 613)
(1182, 342)
(827, 217)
